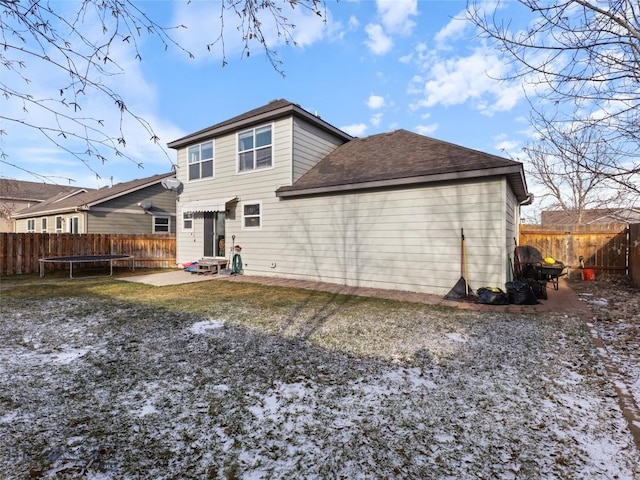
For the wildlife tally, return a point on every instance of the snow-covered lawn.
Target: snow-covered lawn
(104, 388)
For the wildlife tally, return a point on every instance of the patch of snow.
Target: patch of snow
(199, 328)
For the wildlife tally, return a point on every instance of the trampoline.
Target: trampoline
(84, 259)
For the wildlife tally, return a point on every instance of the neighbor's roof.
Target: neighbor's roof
(271, 111)
(590, 216)
(402, 158)
(20, 190)
(83, 199)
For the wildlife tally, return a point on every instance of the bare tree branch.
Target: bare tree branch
(39, 33)
(582, 60)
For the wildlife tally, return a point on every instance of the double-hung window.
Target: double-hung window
(255, 149)
(187, 221)
(31, 225)
(252, 215)
(43, 225)
(161, 225)
(201, 161)
(59, 223)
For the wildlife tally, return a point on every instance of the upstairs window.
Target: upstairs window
(255, 149)
(201, 161)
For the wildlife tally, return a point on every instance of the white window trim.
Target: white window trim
(31, 221)
(190, 219)
(55, 224)
(70, 221)
(260, 216)
(213, 161)
(261, 169)
(44, 224)
(153, 224)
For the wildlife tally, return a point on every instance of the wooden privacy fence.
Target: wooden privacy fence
(19, 252)
(608, 248)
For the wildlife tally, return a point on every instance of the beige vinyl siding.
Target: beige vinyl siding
(310, 145)
(258, 185)
(512, 214)
(407, 240)
(21, 224)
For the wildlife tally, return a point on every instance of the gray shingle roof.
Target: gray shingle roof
(400, 158)
(30, 191)
(271, 111)
(86, 199)
(589, 216)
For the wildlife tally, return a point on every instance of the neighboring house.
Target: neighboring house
(16, 195)
(307, 201)
(590, 216)
(141, 206)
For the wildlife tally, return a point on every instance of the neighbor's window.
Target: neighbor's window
(31, 225)
(254, 149)
(43, 225)
(187, 221)
(161, 224)
(74, 225)
(59, 223)
(251, 215)
(201, 161)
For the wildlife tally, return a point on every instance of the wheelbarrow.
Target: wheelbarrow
(528, 263)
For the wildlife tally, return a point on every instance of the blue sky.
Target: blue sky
(374, 66)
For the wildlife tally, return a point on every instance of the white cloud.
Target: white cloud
(376, 119)
(355, 130)
(99, 112)
(378, 42)
(426, 129)
(453, 30)
(204, 26)
(375, 102)
(454, 81)
(396, 15)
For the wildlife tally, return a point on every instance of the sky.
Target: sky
(372, 67)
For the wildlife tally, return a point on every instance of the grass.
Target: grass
(111, 379)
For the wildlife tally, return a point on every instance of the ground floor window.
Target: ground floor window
(31, 225)
(59, 224)
(74, 225)
(187, 221)
(252, 215)
(43, 225)
(161, 224)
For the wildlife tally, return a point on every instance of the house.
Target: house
(590, 216)
(16, 195)
(140, 206)
(307, 201)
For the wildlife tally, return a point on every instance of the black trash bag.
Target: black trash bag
(492, 296)
(539, 288)
(521, 293)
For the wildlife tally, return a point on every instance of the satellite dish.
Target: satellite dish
(171, 183)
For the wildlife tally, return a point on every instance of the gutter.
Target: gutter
(289, 192)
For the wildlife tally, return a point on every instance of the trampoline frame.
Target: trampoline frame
(85, 259)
